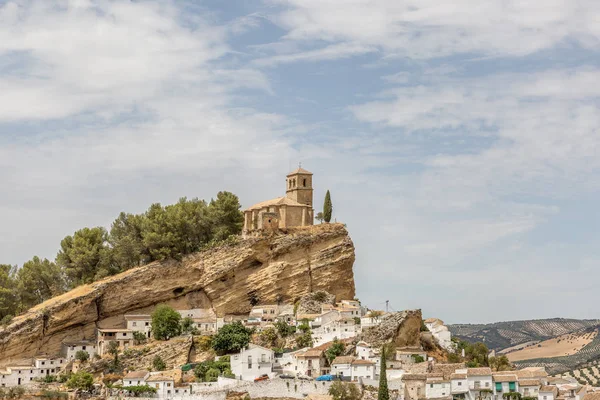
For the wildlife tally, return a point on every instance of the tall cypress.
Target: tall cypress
(327, 207)
(383, 393)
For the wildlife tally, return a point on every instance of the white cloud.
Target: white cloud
(427, 28)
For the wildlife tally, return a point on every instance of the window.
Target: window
(82, 347)
(459, 383)
(263, 358)
(168, 384)
(176, 390)
(304, 182)
(431, 385)
(130, 382)
(43, 362)
(124, 334)
(134, 323)
(147, 323)
(157, 386)
(249, 361)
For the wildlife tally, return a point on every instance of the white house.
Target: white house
(139, 323)
(479, 379)
(70, 348)
(440, 332)
(504, 382)
(204, 319)
(372, 318)
(311, 363)
(135, 378)
(363, 350)
(18, 375)
(437, 387)
(252, 362)
(459, 383)
(364, 369)
(342, 329)
(124, 337)
(164, 385)
(548, 393)
(342, 366)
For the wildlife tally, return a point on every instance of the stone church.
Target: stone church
(294, 209)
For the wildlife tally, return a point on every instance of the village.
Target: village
(261, 371)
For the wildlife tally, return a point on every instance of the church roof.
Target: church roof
(300, 171)
(278, 201)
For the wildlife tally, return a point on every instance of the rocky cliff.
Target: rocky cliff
(229, 279)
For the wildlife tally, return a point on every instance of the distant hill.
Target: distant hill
(501, 335)
(547, 335)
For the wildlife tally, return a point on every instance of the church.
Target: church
(294, 209)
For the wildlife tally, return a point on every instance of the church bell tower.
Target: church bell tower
(299, 186)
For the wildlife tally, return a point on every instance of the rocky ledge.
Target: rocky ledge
(263, 269)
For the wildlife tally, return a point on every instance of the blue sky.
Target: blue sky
(459, 140)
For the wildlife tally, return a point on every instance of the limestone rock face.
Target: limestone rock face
(258, 270)
(403, 328)
(311, 303)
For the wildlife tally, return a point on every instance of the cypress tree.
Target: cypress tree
(383, 393)
(327, 207)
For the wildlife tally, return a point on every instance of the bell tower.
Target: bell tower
(299, 186)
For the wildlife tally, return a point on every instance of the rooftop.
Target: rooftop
(483, 371)
(300, 170)
(278, 201)
(362, 362)
(136, 375)
(343, 360)
(159, 378)
(505, 378)
(529, 382)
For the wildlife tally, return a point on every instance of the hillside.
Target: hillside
(501, 335)
(229, 279)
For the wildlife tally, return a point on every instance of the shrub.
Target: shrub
(284, 329)
(212, 375)
(139, 337)
(158, 364)
(81, 380)
(269, 336)
(141, 389)
(336, 349)
(51, 394)
(82, 356)
(49, 379)
(320, 296)
(417, 358)
(187, 325)
(204, 342)
(344, 391)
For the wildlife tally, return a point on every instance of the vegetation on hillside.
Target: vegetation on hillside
(90, 254)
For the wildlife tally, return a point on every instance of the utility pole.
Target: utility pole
(387, 305)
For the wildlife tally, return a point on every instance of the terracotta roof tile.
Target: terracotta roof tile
(343, 360)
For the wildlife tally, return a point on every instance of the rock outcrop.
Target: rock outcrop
(403, 328)
(263, 269)
(311, 303)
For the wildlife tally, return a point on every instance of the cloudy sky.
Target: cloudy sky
(460, 140)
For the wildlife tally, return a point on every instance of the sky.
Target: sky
(460, 140)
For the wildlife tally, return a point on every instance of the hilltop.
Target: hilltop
(558, 344)
(279, 267)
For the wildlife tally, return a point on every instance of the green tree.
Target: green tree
(86, 256)
(8, 293)
(82, 355)
(337, 348)
(158, 364)
(166, 322)
(187, 325)
(139, 337)
(417, 358)
(127, 241)
(383, 392)
(113, 350)
(37, 281)
(327, 207)
(231, 338)
(269, 336)
(344, 391)
(319, 217)
(225, 214)
(81, 380)
(284, 329)
(500, 363)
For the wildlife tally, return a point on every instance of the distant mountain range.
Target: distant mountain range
(509, 336)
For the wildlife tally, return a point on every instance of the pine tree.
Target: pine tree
(327, 207)
(383, 393)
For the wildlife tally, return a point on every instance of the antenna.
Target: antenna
(300, 164)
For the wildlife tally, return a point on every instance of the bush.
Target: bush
(139, 337)
(82, 356)
(269, 336)
(231, 338)
(284, 329)
(81, 380)
(204, 342)
(158, 364)
(320, 296)
(49, 379)
(140, 390)
(212, 375)
(336, 349)
(417, 358)
(344, 391)
(304, 340)
(15, 392)
(222, 366)
(51, 394)
(165, 322)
